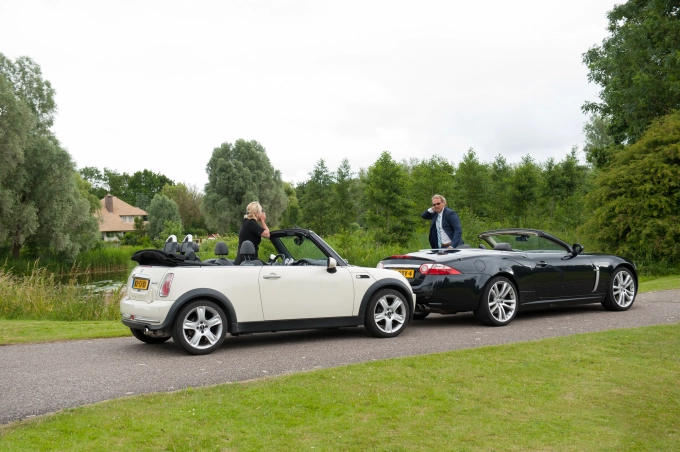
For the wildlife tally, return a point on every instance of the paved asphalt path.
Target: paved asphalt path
(42, 378)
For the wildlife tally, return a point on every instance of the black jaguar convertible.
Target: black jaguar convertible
(513, 270)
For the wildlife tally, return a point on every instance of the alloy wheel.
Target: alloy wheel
(623, 288)
(502, 301)
(390, 313)
(202, 327)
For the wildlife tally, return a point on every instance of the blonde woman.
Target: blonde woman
(251, 230)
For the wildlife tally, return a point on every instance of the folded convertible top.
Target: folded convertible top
(158, 257)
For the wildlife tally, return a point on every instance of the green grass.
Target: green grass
(24, 331)
(651, 284)
(38, 296)
(608, 391)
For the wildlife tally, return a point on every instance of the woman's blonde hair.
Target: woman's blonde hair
(253, 211)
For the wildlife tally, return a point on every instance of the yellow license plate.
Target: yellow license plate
(407, 273)
(139, 283)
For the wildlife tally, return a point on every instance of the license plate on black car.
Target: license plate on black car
(407, 273)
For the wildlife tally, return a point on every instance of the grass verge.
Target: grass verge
(24, 331)
(614, 390)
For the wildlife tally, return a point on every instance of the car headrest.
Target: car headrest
(170, 247)
(502, 246)
(247, 248)
(221, 249)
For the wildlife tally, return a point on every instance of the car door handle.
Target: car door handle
(271, 276)
(542, 264)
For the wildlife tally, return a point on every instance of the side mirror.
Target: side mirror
(576, 249)
(331, 265)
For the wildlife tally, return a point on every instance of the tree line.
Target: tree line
(624, 199)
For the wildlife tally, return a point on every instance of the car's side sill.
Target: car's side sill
(295, 324)
(587, 299)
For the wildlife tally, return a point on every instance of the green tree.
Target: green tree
(161, 209)
(344, 209)
(188, 200)
(316, 208)
(99, 187)
(85, 189)
(16, 123)
(524, 190)
(142, 186)
(50, 215)
(501, 175)
(289, 218)
(599, 144)
(25, 76)
(636, 202)
(41, 205)
(637, 66)
(137, 189)
(237, 175)
(432, 176)
(562, 182)
(389, 208)
(472, 182)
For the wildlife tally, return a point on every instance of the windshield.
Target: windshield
(528, 243)
(300, 248)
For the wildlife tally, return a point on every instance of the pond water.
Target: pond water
(98, 282)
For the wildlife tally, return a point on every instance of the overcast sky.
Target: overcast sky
(159, 84)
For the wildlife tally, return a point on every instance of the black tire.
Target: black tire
(139, 334)
(200, 327)
(420, 315)
(622, 291)
(498, 303)
(386, 314)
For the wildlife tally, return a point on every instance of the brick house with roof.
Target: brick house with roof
(117, 217)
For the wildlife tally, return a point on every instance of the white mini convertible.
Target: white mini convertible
(172, 294)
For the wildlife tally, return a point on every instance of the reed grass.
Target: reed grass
(37, 296)
(102, 260)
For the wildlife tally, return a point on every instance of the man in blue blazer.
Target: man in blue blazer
(445, 230)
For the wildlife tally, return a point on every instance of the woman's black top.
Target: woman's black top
(252, 231)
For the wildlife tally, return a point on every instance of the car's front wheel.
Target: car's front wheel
(139, 334)
(622, 291)
(498, 305)
(199, 327)
(386, 314)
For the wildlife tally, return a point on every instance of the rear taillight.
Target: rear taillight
(165, 285)
(438, 269)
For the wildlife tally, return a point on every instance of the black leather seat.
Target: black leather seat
(190, 256)
(222, 250)
(502, 246)
(248, 252)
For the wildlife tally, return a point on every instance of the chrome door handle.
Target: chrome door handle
(271, 276)
(542, 264)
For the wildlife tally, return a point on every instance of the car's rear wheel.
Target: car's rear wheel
(139, 334)
(621, 294)
(498, 305)
(200, 327)
(386, 314)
